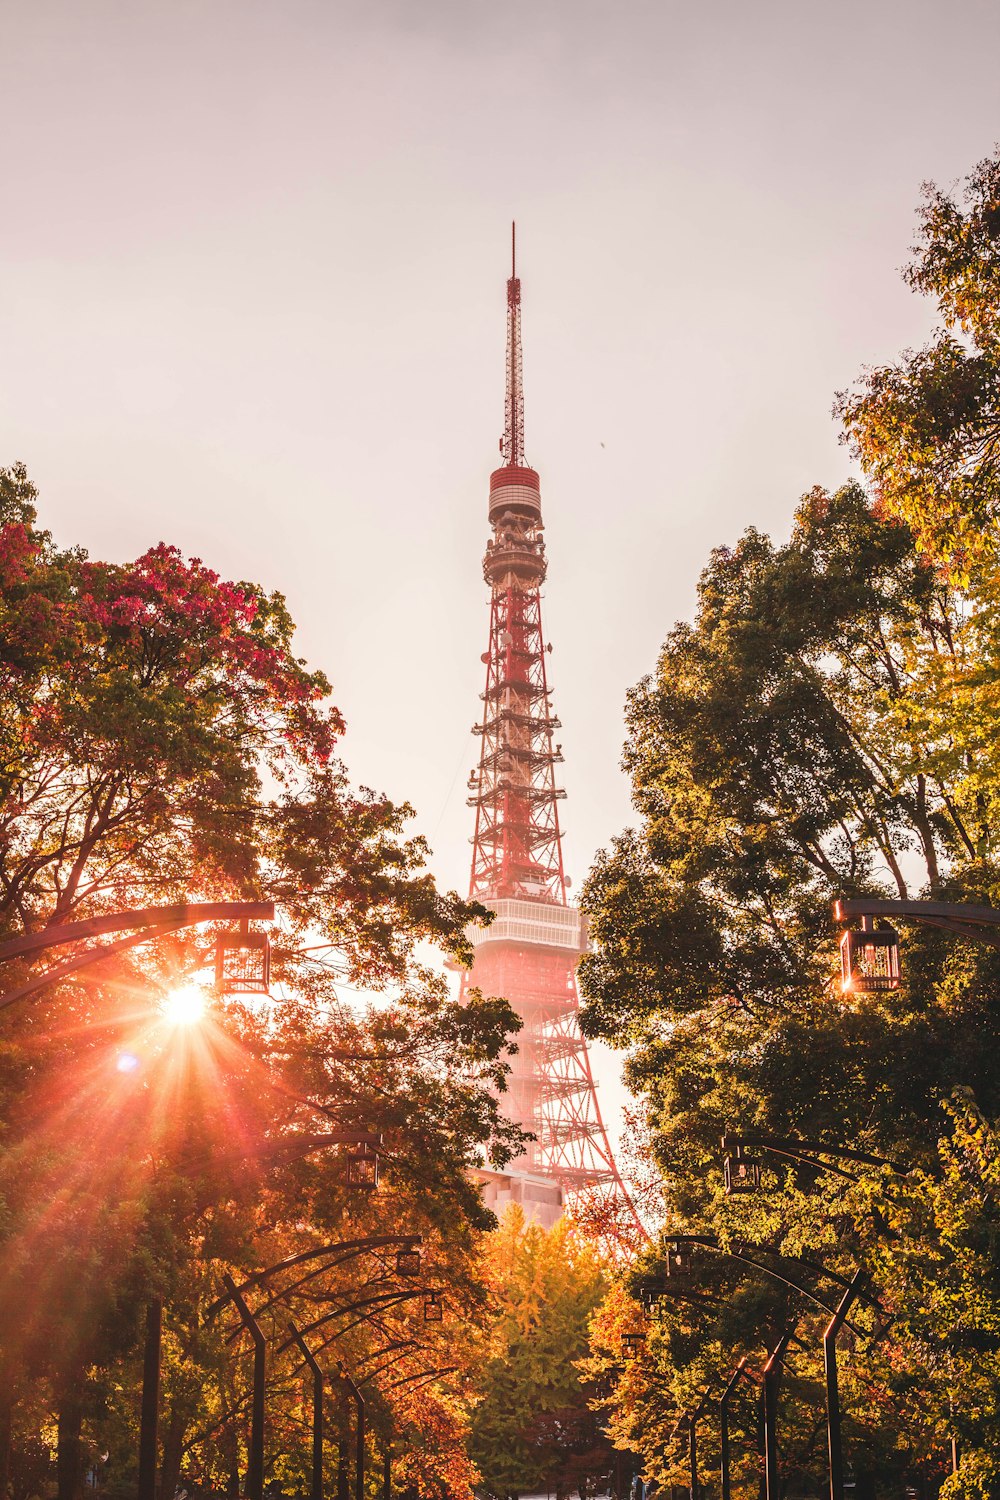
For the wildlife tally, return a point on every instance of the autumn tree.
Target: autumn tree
(160, 741)
(533, 1427)
(927, 427)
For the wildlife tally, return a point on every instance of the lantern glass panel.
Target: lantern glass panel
(408, 1263)
(362, 1169)
(243, 963)
(741, 1175)
(679, 1263)
(869, 961)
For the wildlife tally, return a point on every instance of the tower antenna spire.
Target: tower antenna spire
(512, 442)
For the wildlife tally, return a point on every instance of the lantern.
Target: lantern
(633, 1341)
(243, 962)
(679, 1262)
(433, 1308)
(408, 1262)
(740, 1174)
(362, 1167)
(869, 960)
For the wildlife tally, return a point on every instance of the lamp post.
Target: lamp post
(316, 1489)
(149, 1410)
(255, 1465)
(693, 1443)
(834, 1443)
(772, 1381)
(359, 1438)
(738, 1374)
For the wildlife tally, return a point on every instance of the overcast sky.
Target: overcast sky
(252, 262)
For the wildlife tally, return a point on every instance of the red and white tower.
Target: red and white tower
(530, 952)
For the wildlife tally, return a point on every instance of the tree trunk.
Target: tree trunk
(69, 1456)
(173, 1454)
(6, 1409)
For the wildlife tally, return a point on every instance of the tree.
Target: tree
(927, 428)
(804, 737)
(161, 741)
(533, 1425)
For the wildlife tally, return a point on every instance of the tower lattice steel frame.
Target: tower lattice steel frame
(530, 952)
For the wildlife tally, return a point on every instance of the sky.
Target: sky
(252, 266)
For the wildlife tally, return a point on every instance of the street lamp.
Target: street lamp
(408, 1263)
(741, 1173)
(869, 959)
(362, 1165)
(433, 1308)
(678, 1262)
(243, 962)
(791, 1148)
(150, 921)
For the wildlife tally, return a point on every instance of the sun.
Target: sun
(185, 1007)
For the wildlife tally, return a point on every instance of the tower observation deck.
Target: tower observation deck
(530, 952)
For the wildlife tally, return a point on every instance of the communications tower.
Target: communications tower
(530, 952)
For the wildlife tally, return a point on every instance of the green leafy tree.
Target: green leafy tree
(791, 746)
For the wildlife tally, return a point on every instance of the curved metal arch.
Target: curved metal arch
(384, 1298)
(431, 1375)
(757, 1265)
(297, 1286)
(369, 1242)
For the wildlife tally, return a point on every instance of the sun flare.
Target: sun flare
(185, 1007)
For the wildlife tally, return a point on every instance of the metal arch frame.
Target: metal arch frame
(794, 1149)
(369, 1242)
(249, 1322)
(343, 1260)
(407, 1353)
(155, 921)
(384, 1299)
(708, 1243)
(958, 917)
(430, 1374)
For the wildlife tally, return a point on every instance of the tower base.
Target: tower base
(540, 1198)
